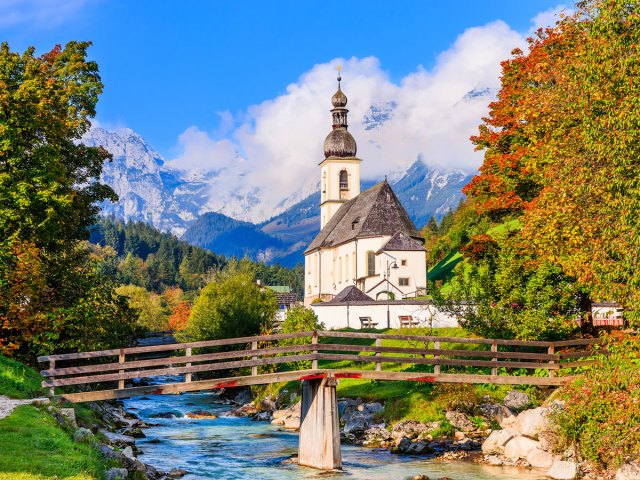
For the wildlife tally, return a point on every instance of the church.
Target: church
(367, 239)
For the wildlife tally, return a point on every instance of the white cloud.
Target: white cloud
(436, 111)
(548, 18)
(38, 13)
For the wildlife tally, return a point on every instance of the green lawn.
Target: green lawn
(18, 380)
(33, 446)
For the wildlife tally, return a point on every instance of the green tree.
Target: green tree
(52, 296)
(232, 305)
(148, 306)
(300, 319)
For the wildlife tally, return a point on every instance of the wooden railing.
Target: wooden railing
(436, 359)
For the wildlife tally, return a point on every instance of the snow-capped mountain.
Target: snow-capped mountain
(188, 203)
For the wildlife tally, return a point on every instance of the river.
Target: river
(230, 448)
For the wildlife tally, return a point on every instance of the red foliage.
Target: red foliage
(480, 247)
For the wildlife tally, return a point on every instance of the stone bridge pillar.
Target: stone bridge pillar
(319, 430)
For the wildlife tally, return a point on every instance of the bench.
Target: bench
(407, 321)
(366, 322)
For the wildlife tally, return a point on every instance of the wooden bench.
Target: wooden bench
(366, 322)
(407, 321)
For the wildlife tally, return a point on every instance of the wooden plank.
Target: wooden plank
(436, 351)
(174, 346)
(432, 361)
(436, 367)
(187, 354)
(582, 354)
(551, 352)
(581, 341)
(170, 361)
(227, 382)
(208, 367)
(378, 355)
(254, 348)
(121, 360)
(314, 341)
(174, 388)
(494, 358)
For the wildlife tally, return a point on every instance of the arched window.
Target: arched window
(340, 270)
(371, 263)
(344, 180)
(346, 268)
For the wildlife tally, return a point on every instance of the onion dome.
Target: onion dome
(339, 143)
(339, 99)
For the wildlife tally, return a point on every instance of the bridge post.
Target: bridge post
(319, 445)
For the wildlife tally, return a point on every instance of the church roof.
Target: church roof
(350, 294)
(373, 213)
(401, 242)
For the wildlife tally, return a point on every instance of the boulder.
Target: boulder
(532, 422)
(117, 474)
(519, 447)
(496, 441)
(243, 397)
(493, 411)
(176, 473)
(629, 471)
(246, 410)
(516, 401)
(292, 423)
(402, 446)
(376, 437)
(117, 439)
(359, 417)
(70, 415)
(539, 458)
(82, 435)
(562, 470)
(128, 452)
(549, 441)
(410, 429)
(199, 414)
(460, 421)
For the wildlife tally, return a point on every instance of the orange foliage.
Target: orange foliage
(180, 315)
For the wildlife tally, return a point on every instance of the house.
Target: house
(285, 298)
(367, 239)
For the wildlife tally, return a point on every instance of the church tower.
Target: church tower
(340, 169)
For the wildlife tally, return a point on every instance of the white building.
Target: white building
(366, 239)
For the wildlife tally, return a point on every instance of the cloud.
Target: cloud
(428, 114)
(548, 18)
(39, 13)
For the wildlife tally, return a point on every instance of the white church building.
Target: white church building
(367, 239)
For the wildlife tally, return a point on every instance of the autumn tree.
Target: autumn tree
(51, 296)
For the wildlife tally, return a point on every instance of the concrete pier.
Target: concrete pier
(319, 430)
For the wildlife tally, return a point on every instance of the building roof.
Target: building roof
(350, 294)
(400, 242)
(280, 288)
(375, 212)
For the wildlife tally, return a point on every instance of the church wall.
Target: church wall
(340, 316)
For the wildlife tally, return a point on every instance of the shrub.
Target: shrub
(300, 319)
(602, 408)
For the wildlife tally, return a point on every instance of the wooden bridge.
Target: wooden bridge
(264, 359)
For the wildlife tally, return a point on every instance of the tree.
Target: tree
(148, 306)
(180, 316)
(232, 305)
(562, 149)
(300, 319)
(52, 297)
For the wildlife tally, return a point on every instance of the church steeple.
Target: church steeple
(339, 143)
(340, 169)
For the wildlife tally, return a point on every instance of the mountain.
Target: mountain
(183, 203)
(148, 191)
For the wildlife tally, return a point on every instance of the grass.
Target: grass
(18, 380)
(34, 447)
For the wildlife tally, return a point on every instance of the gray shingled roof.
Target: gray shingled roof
(350, 294)
(374, 212)
(401, 243)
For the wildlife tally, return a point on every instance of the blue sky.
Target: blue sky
(239, 90)
(168, 65)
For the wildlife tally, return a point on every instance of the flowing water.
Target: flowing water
(229, 448)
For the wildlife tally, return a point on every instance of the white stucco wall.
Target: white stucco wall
(340, 316)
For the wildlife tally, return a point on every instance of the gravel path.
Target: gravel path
(7, 405)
